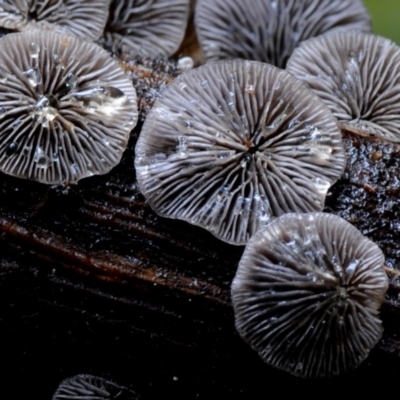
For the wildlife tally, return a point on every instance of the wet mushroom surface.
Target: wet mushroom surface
(230, 145)
(269, 30)
(357, 75)
(307, 294)
(67, 108)
(147, 27)
(84, 18)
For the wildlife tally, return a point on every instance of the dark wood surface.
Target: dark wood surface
(93, 281)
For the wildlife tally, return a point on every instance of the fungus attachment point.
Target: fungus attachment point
(357, 75)
(92, 388)
(307, 294)
(67, 108)
(147, 27)
(231, 145)
(84, 18)
(269, 30)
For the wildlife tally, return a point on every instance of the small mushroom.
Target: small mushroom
(66, 108)
(84, 18)
(147, 27)
(232, 144)
(357, 75)
(307, 294)
(92, 388)
(269, 30)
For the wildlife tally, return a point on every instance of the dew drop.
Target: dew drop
(34, 77)
(41, 158)
(70, 81)
(3, 76)
(34, 50)
(11, 149)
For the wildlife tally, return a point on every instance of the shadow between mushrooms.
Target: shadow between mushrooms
(66, 108)
(357, 75)
(84, 18)
(307, 294)
(147, 27)
(269, 30)
(230, 145)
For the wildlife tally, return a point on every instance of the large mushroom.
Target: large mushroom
(357, 75)
(66, 108)
(269, 30)
(307, 294)
(84, 18)
(232, 144)
(147, 27)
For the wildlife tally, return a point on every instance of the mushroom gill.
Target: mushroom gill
(84, 18)
(147, 27)
(232, 144)
(307, 294)
(92, 388)
(357, 75)
(269, 30)
(66, 108)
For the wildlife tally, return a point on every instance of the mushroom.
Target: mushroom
(269, 30)
(357, 75)
(147, 27)
(92, 387)
(66, 108)
(307, 294)
(84, 18)
(232, 144)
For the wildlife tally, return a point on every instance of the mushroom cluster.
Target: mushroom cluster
(233, 144)
(307, 294)
(148, 27)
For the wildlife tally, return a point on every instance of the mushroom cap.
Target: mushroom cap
(307, 294)
(269, 30)
(232, 144)
(84, 18)
(147, 27)
(357, 75)
(92, 387)
(66, 108)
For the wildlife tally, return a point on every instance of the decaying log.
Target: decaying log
(92, 280)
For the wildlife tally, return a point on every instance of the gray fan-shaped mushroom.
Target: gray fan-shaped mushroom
(84, 18)
(269, 30)
(357, 75)
(66, 108)
(307, 294)
(91, 387)
(232, 144)
(147, 27)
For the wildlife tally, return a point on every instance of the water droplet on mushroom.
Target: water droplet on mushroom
(11, 148)
(34, 50)
(351, 267)
(34, 77)
(250, 89)
(321, 185)
(16, 123)
(70, 81)
(41, 158)
(104, 99)
(3, 76)
(74, 168)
